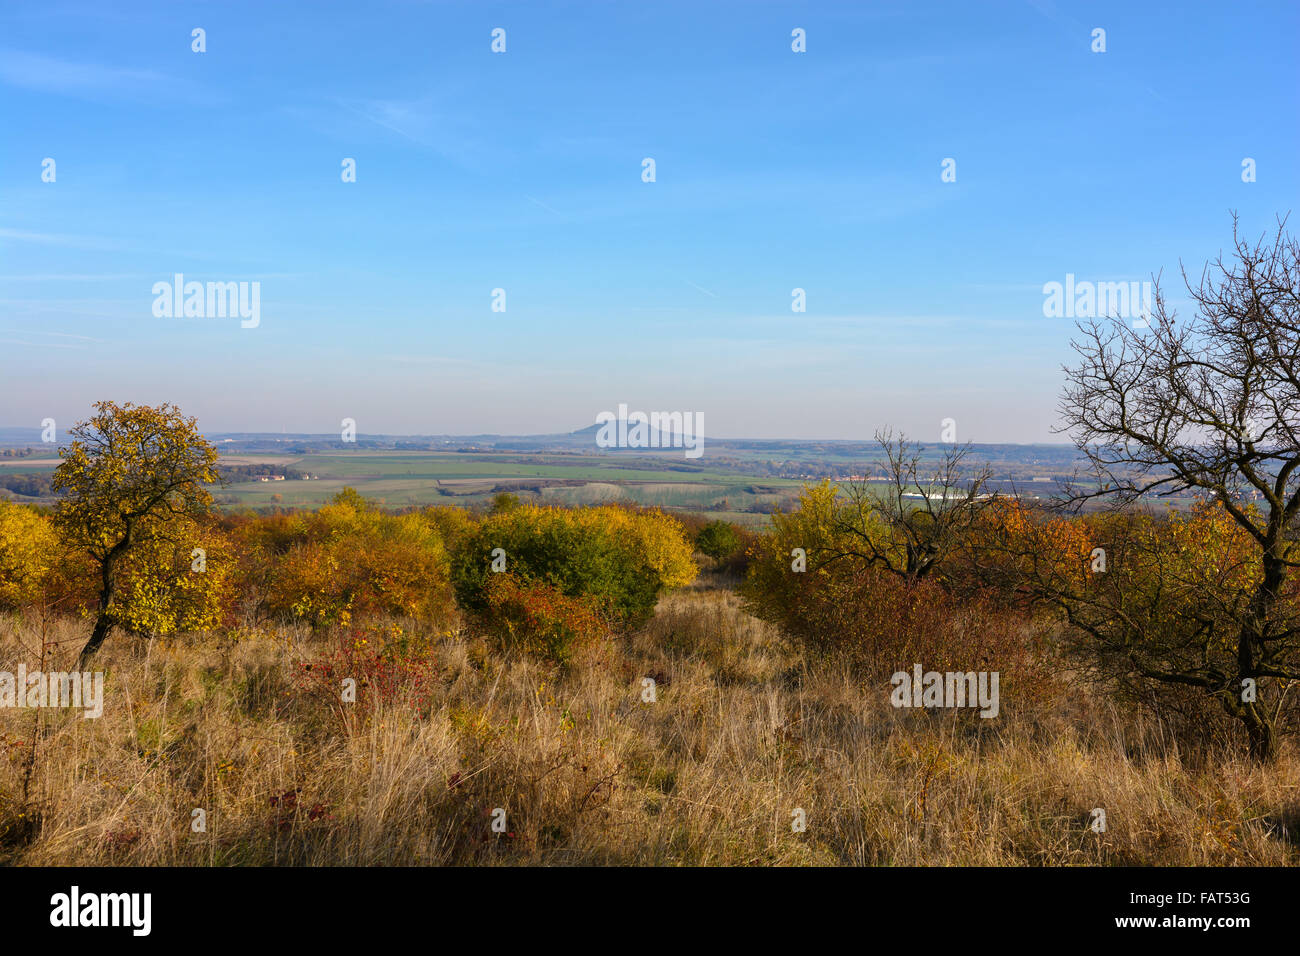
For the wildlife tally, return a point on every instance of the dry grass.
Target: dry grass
(742, 734)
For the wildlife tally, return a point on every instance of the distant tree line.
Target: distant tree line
(28, 486)
(235, 473)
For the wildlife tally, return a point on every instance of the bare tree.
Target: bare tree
(911, 522)
(1208, 408)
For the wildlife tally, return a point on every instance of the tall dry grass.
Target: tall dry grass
(743, 732)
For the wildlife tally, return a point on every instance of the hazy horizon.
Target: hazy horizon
(11, 433)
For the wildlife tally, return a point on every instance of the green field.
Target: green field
(740, 485)
(403, 479)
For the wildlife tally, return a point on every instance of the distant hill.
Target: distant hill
(660, 439)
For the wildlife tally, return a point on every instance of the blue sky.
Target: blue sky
(476, 170)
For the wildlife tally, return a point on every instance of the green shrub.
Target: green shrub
(718, 539)
(618, 559)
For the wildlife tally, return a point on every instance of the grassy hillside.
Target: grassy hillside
(743, 732)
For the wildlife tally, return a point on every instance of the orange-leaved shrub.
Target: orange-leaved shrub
(1155, 604)
(539, 619)
(342, 563)
(876, 622)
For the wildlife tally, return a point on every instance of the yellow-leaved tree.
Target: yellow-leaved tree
(133, 486)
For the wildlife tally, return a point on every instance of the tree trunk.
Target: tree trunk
(1251, 649)
(103, 621)
(103, 624)
(1259, 731)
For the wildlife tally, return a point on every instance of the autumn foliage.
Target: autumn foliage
(540, 619)
(1149, 604)
(617, 560)
(29, 551)
(876, 622)
(342, 563)
(567, 577)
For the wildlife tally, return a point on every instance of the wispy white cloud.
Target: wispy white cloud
(427, 123)
(538, 202)
(56, 239)
(51, 277)
(47, 74)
